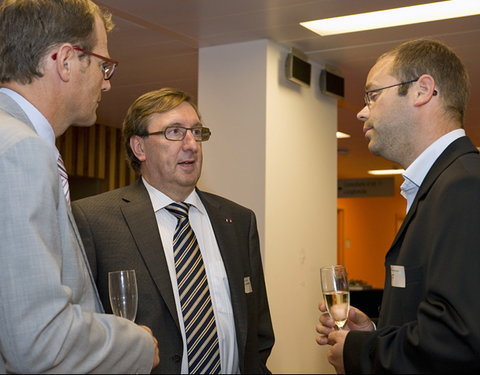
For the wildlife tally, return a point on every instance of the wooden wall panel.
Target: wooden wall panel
(96, 152)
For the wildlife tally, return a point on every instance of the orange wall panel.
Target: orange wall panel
(369, 227)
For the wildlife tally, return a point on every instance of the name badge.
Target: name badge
(247, 284)
(398, 276)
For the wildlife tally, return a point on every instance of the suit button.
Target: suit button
(176, 358)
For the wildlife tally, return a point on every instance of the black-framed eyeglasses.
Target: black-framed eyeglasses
(370, 96)
(178, 133)
(108, 66)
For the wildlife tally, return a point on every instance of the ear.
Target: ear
(424, 90)
(137, 144)
(64, 57)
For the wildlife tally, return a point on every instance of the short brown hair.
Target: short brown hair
(424, 56)
(138, 115)
(29, 28)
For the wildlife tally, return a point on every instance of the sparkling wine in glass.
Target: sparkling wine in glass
(335, 291)
(122, 289)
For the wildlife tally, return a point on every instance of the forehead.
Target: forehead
(380, 73)
(100, 34)
(183, 114)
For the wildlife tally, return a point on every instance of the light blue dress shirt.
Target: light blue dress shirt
(416, 172)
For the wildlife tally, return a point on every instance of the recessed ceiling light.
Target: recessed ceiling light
(342, 135)
(440, 10)
(384, 172)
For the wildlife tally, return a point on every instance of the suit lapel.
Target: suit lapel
(459, 147)
(225, 234)
(140, 218)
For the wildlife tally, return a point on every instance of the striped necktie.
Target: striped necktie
(200, 327)
(63, 177)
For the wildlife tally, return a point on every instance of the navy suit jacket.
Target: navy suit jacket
(432, 324)
(120, 231)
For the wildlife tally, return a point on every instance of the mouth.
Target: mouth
(186, 162)
(366, 129)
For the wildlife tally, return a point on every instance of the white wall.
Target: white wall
(273, 149)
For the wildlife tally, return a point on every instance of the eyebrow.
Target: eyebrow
(198, 124)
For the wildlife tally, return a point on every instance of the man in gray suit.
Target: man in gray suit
(133, 228)
(51, 319)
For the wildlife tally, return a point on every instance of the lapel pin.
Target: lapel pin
(228, 220)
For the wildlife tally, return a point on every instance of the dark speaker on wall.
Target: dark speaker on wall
(332, 84)
(297, 68)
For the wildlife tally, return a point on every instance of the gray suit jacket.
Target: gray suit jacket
(120, 231)
(49, 304)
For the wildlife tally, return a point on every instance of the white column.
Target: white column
(273, 149)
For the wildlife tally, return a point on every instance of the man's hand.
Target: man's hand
(156, 358)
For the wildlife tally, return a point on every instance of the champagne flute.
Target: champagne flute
(335, 293)
(122, 289)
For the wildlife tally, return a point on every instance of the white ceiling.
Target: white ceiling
(157, 41)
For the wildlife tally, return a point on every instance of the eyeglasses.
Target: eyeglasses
(178, 133)
(108, 67)
(370, 96)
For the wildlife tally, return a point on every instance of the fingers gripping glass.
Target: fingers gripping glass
(108, 66)
(371, 95)
(178, 133)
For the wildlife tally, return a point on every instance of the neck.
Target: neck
(47, 104)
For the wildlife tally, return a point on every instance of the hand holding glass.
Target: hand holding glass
(335, 293)
(122, 289)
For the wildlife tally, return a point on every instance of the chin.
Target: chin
(87, 122)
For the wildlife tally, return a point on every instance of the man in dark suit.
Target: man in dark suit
(133, 228)
(415, 100)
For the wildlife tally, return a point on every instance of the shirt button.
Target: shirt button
(176, 358)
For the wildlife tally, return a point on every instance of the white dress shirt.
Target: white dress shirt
(416, 172)
(215, 270)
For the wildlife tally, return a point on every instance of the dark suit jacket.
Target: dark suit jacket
(433, 323)
(120, 231)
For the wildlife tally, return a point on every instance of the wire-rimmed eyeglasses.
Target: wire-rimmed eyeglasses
(178, 133)
(370, 96)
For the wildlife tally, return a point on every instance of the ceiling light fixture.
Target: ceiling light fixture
(342, 135)
(394, 17)
(386, 172)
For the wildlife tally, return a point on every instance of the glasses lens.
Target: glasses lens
(205, 136)
(177, 133)
(108, 69)
(366, 99)
(174, 133)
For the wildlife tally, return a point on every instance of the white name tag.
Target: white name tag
(398, 276)
(247, 284)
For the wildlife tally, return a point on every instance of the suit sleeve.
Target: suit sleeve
(47, 317)
(265, 328)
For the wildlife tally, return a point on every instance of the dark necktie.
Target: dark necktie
(63, 177)
(200, 327)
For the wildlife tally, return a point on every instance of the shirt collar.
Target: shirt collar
(39, 121)
(417, 171)
(160, 200)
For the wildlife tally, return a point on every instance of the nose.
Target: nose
(364, 114)
(189, 141)
(106, 85)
